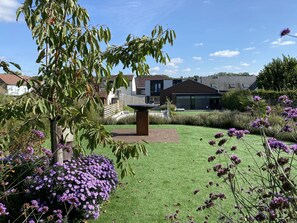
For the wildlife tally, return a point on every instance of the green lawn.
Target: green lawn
(166, 179)
(191, 112)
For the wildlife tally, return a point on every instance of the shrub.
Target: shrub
(266, 190)
(32, 189)
(77, 187)
(236, 100)
(172, 107)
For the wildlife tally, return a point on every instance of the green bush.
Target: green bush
(236, 100)
(172, 107)
(216, 119)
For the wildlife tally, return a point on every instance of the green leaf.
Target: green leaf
(16, 65)
(40, 56)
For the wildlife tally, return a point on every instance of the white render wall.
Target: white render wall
(147, 88)
(14, 90)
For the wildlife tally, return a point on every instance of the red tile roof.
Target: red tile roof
(10, 79)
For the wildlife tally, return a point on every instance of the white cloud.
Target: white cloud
(155, 69)
(2, 58)
(197, 58)
(280, 42)
(170, 72)
(244, 64)
(174, 62)
(170, 64)
(225, 53)
(8, 10)
(187, 69)
(198, 44)
(177, 60)
(229, 67)
(266, 41)
(248, 48)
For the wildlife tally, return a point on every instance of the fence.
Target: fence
(110, 110)
(132, 99)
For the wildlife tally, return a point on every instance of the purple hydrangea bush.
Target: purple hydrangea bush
(265, 190)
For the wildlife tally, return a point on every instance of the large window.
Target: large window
(193, 101)
(156, 87)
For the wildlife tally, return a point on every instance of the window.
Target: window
(156, 87)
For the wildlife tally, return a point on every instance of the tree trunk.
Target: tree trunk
(56, 133)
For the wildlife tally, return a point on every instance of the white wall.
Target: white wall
(14, 90)
(147, 88)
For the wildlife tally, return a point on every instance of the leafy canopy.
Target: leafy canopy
(280, 74)
(73, 59)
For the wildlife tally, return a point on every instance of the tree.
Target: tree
(278, 75)
(72, 63)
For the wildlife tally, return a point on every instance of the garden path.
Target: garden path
(155, 135)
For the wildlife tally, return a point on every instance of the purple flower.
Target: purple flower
(47, 152)
(268, 110)
(222, 142)
(287, 128)
(3, 210)
(43, 209)
(83, 183)
(219, 135)
(285, 32)
(212, 142)
(219, 151)
(283, 98)
(260, 123)
(231, 132)
(34, 204)
(233, 148)
(238, 133)
(256, 98)
(279, 203)
(235, 159)
(275, 144)
(38, 133)
(211, 158)
(30, 150)
(294, 148)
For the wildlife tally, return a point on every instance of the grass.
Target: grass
(166, 179)
(191, 112)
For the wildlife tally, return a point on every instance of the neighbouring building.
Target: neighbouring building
(151, 86)
(126, 95)
(190, 94)
(226, 83)
(8, 85)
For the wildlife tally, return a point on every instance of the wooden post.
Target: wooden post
(142, 122)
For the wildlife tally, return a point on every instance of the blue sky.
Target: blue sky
(212, 35)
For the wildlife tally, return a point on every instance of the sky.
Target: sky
(212, 35)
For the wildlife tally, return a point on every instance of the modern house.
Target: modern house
(126, 95)
(140, 82)
(190, 94)
(226, 83)
(151, 86)
(8, 85)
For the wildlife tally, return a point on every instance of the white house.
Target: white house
(8, 85)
